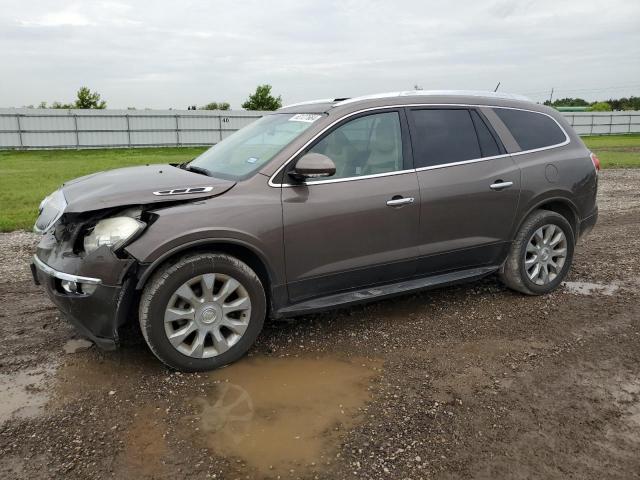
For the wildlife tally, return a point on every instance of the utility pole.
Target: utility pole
(551, 96)
(496, 89)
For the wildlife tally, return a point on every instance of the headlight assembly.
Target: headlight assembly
(113, 232)
(50, 210)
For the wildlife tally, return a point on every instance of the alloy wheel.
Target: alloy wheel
(546, 254)
(207, 315)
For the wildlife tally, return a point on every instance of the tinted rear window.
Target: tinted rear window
(531, 130)
(443, 136)
(488, 143)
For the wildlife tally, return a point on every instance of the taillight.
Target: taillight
(596, 161)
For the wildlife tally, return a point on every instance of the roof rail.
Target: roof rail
(442, 93)
(310, 102)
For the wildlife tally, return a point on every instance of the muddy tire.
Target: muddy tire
(202, 312)
(541, 254)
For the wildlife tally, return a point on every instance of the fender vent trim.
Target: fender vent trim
(183, 191)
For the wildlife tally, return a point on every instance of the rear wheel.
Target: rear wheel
(202, 312)
(541, 254)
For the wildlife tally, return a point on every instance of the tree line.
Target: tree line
(261, 99)
(624, 103)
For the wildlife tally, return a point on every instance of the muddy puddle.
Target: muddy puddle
(587, 288)
(266, 416)
(282, 414)
(24, 394)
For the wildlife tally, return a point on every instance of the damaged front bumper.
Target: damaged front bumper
(94, 292)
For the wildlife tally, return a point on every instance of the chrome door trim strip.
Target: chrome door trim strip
(420, 169)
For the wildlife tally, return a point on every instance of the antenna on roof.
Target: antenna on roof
(496, 89)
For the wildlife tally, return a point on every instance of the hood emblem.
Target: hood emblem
(183, 191)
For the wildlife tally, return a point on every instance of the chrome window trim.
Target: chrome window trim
(64, 276)
(271, 182)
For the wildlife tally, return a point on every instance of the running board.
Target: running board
(378, 293)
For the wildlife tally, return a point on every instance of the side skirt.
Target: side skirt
(370, 294)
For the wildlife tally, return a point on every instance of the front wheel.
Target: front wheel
(202, 312)
(540, 255)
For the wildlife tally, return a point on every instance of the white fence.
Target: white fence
(604, 123)
(48, 128)
(25, 128)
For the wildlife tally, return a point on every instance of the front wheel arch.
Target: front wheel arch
(236, 249)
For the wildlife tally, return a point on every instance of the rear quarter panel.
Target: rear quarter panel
(563, 173)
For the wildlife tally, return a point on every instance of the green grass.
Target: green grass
(27, 177)
(616, 151)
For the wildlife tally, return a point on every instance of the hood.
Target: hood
(136, 186)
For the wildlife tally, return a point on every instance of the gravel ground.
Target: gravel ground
(472, 381)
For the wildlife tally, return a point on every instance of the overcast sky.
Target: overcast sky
(162, 54)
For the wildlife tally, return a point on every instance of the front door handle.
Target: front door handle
(500, 185)
(397, 201)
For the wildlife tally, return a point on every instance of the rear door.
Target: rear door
(469, 188)
(359, 227)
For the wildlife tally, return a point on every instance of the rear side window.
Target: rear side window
(488, 143)
(531, 130)
(442, 136)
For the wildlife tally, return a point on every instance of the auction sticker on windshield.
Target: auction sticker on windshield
(305, 117)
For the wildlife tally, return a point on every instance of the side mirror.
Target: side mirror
(313, 165)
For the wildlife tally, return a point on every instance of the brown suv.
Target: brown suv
(319, 205)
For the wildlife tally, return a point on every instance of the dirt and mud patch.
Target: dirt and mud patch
(471, 381)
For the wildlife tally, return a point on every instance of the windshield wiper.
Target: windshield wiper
(201, 170)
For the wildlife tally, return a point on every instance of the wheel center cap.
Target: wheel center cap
(544, 255)
(209, 315)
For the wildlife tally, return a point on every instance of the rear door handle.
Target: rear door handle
(396, 202)
(500, 185)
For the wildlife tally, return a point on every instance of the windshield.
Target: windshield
(251, 147)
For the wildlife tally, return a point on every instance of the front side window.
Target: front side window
(365, 146)
(250, 148)
(441, 136)
(530, 129)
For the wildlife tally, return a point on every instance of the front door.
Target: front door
(469, 189)
(360, 226)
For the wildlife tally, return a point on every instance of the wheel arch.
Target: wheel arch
(236, 248)
(560, 205)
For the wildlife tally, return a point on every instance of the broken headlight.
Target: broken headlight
(113, 232)
(50, 211)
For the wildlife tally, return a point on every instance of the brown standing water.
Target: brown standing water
(283, 414)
